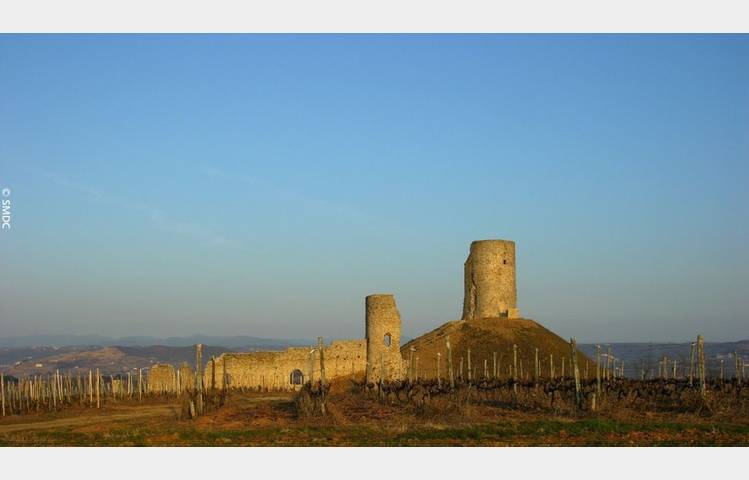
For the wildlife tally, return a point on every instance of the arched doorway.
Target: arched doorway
(296, 377)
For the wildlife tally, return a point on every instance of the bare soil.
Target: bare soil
(271, 419)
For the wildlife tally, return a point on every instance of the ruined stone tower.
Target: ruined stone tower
(383, 331)
(490, 289)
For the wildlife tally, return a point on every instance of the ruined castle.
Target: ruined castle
(490, 292)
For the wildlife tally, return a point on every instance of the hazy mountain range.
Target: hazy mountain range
(42, 354)
(99, 340)
(647, 355)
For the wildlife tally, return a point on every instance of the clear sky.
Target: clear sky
(263, 185)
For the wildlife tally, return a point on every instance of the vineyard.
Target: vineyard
(498, 403)
(574, 394)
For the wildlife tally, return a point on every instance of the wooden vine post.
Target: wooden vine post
(322, 360)
(494, 368)
(54, 391)
(2, 391)
(439, 380)
(213, 374)
(450, 363)
(322, 374)
(551, 366)
(311, 368)
(575, 372)
(691, 364)
(199, 378)
(736, 365)
(469, 366)
(98, 388)
(701, 364)
(224, 381)
(609, 359)
(514, 372)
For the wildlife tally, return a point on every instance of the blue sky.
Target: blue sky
(263, 185)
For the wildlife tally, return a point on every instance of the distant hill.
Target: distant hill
(112, 355)
(647, 355)
(243, 341)
(42, 354)
(109, 360)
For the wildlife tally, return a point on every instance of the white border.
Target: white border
(374, 16)
(372, 463)
(371, 16)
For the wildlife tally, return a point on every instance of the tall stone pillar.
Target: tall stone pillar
(490, 288)
(383, 333)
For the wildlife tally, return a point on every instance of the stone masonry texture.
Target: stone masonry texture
(383, 332)
(490, 288)
(273, 370)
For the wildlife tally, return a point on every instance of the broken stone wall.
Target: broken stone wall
(273, 370)
(161, 378)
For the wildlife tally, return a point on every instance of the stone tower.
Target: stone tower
(383, 325)
(490, 289)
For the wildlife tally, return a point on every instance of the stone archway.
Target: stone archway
(296, 377)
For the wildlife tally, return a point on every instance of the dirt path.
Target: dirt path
(263, 399)
(127, 413)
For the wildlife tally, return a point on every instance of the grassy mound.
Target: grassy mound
(485, 337)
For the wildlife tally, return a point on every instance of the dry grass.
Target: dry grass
(490, 335)
(265, 419)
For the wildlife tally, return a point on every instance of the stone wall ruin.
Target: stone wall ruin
(289, 369)
(161, 378)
